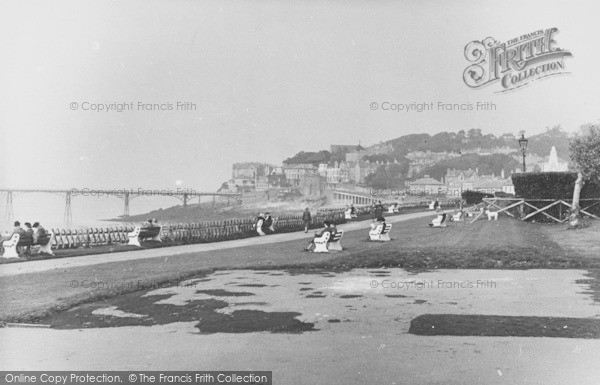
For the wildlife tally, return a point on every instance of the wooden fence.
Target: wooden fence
(554, 210)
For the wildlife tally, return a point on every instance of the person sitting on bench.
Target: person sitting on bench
(457, 216)
(17, 230)
(267, 225)
(326, 228)
(440, 220)
(380, 222)
(38, 232)
(28, 235)
(332, 229)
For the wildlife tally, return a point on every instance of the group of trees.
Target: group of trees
(474, 138)
(585, 155)
(389, 176)
(446, 142)
(313, 158)
(450, 141)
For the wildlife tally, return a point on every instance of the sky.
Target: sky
(267, 79)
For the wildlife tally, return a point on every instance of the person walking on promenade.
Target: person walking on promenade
(306, 218)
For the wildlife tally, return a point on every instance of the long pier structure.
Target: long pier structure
(183, 194)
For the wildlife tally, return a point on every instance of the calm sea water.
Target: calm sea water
(49, 209)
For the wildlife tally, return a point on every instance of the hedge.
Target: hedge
(551, 185)
(474, 197)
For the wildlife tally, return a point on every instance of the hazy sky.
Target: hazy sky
(268, 78)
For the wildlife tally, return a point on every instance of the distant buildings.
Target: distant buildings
(347, 172)
(427, 185)
(311, 184)
(491, 151)
(252, 170)
(295, 172)
(354, 170)
(250, 176)
(420, 160)
(458, 181)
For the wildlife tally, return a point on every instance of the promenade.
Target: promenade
(65, 263)
(260, 304)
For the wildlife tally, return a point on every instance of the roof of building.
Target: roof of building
(305, 166)
(426, 180)
(454, 173)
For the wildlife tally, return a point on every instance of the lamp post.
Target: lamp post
(523, 144)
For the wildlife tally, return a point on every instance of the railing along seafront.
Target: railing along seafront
(187, 233)
(209, 231)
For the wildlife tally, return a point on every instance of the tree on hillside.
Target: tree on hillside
(542, 143)
(313, 158)
(391, 176)
(585, 154)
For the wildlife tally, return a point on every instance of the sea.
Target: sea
(86, 211)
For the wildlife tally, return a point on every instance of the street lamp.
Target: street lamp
(523, 144)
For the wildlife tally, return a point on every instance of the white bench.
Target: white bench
(259, 227)
(335, 243)
(439, 221)
(321, 243)
(139, 233)
(348, 214)
(381, 232)
(10, 246)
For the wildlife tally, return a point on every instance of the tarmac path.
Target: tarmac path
(64, 263)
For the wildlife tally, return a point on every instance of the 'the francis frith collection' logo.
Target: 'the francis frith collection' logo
(515, 63)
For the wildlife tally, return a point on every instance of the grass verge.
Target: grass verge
(503, 244)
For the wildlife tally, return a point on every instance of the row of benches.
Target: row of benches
(327, 242)
(177, 232)
(322, 244)
(16, 241)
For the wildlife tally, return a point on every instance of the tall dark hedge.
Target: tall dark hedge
(551, 185)
(474, 197)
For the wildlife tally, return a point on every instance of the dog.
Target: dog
(491, 215)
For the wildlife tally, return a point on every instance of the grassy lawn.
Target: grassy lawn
(505, 243)
(585, 242)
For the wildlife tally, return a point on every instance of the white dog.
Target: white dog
(491, 215)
